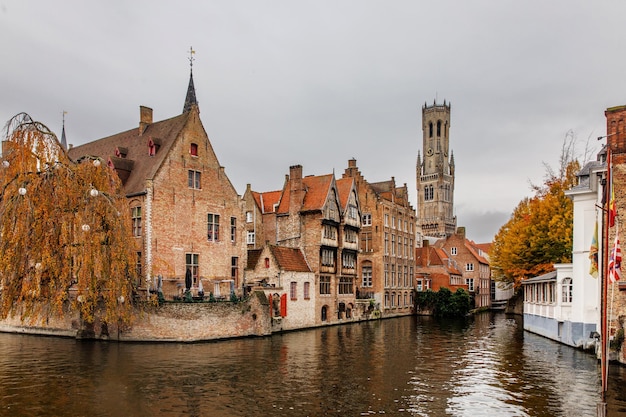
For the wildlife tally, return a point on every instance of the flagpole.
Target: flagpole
(604, 285)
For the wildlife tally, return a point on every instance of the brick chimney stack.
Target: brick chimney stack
(296, 188)
(426, 253)
(145, 118)
(616, 131)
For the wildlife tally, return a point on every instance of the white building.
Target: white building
(564, 305)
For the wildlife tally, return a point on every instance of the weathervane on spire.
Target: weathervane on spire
(191, 58)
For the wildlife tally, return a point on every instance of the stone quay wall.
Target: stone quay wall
(170, 322)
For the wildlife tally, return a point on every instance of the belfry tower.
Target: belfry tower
(435, 174)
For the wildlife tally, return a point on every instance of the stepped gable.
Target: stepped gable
(136, 143)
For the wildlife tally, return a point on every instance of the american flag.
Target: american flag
(615, 261)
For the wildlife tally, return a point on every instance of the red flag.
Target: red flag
(615, 261)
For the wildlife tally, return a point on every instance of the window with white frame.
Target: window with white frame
(250, 238)
(469, 267)
(248, 217)
(367, 219)
(567, 288)
(453, 250)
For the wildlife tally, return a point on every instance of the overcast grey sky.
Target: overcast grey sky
(319, 82)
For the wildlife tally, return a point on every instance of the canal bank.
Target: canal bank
(411, 366)
(175, 322)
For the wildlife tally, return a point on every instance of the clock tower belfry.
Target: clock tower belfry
(435, 174)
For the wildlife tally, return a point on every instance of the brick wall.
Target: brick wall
(180, 322)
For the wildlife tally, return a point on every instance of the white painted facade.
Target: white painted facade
(572, 313)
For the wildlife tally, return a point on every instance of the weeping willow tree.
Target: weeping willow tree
(65, 236)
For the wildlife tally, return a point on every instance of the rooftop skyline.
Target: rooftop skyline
(319, 83)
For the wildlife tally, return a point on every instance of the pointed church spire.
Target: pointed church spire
(63, 139)
(191, 90)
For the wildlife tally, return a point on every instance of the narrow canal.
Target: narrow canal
(485, 366)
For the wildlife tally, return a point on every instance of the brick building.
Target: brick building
(186, 213)
(435, 269)
(435, 174)
(472, 262)
(616, 140)
(320, 216)
(386, 259)
(287, 281)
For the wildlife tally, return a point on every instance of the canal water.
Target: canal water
(411, 366)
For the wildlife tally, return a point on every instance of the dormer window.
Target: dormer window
(153, 146)
(121, 152)
(193, 149)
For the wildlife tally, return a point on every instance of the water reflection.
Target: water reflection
(409, 367)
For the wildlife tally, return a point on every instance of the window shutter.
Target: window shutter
(283, 305)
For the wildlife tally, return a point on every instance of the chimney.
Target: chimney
(296, 188)
(426, 253)
(461, 231)
(145, 118)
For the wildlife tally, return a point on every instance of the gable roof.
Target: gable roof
(316, 193)
(438, 258)
(344, 187)
(287, 259)
(265, 201)
(290, 259)
(135, 144)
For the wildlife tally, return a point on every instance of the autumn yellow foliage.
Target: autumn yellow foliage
(65, 236)
(539, 232)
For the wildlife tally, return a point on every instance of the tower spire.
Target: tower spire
(63, 139)
(191, 90)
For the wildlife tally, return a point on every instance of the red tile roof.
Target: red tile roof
(266, 201)
(316, 189)
(344, 186)
(290, 259)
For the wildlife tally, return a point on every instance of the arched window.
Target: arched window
(430, 130)
(567, 288)
(438, 127)
(324, 313)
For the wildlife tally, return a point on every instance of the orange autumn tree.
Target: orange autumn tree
(539, 232)
(65, 236)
